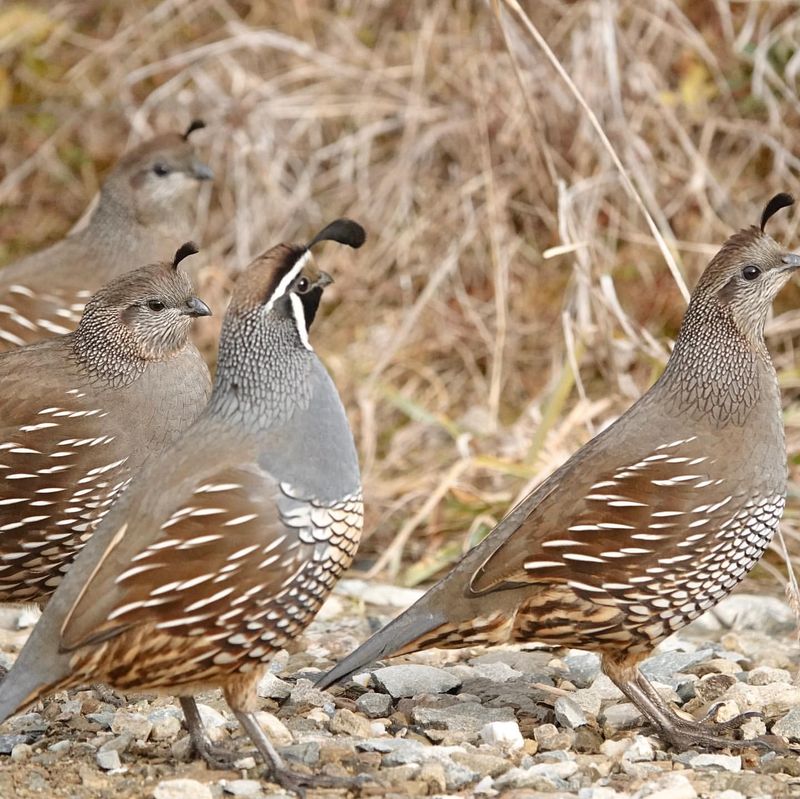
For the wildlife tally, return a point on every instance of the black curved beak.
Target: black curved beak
(201, 171)
(791, 260)
(196, 307)
(324, 279)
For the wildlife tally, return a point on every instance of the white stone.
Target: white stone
(505, 734)
(715, 761)
(640, 750)
(670, 786)
(241, 787)
(182, 789)
(108, 759)
(275, 729)
(214, 722)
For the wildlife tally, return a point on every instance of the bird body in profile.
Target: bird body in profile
(145, 212)
(225, 547)
(653, 521)
(80, 413)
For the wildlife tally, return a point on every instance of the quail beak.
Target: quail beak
(200, 171)
(792, 261)
(324, 279)
(196, 307)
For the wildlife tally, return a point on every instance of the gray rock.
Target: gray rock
(663, 667)
(304, 693)
(108, 759)
(716, 762)
(413, 679)
(138, 725)
(9, 742)
(272, 687)
(670, 786)
(550, 738)
(166, 722)
(215, 723)
(182, 789)
(373, 705)
(119, 743)
(497, 672)
(588, 701)
(569, 714)
(60, 747)
(540, 777)
(307, 752)
(789, 725)
(583, 667)
(465, 719)
(764, 675)
(345, 722)
(21, 752)
(623, 716)
(103, 718)
(250, 788)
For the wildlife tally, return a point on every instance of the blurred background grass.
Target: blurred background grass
(511, 299)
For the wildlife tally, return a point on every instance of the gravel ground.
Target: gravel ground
(511, 722)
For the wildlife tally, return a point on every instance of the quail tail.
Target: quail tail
(409, 627)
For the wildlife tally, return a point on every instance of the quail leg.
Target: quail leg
(283, 774)
(217, 757)
(676, 731)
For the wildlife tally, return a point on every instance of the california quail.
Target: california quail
(80, 413)
(145, 211)
(653, 521)
(224, 548)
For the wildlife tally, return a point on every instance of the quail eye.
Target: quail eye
(155, 305)
(303, 285)
(161, 170)
(750, 272)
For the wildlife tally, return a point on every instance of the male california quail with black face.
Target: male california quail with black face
(80, 413)
(653, 521)
(223, 548)
(145, 212)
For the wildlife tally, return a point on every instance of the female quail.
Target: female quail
(653, 521)
(224, 548)
(145, 211)
(80, 413)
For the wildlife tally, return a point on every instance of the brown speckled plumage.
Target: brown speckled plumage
(145, 211)
(650, 523)
(223, 548)
(79, 414)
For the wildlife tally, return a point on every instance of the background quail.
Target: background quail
(80, 413)
(649, 524)
(145, 211)
(224, 548)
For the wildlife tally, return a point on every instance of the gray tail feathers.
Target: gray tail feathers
(39, 667)
(396, 635)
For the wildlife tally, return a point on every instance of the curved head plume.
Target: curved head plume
(195, 124)
(284, 283)
(184, 251)
(782, 200)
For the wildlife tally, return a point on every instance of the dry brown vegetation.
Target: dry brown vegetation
(512, 298)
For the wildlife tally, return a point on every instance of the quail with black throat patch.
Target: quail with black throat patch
(80, 413)
(223, 549)
(146, 210)
(649, 524)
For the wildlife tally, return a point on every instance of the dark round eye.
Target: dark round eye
(155, 305)
(303, 285)
(750, 272)
(161, 170)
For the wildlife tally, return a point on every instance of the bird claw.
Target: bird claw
(216, 756)
(684, 735)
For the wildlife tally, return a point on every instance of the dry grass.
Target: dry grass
(512, 298)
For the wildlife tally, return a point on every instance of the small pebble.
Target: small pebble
(412, 680)
(251, 788)
(716, 761)
(108, 759)
(374, 705)
(21, 752)
(503, 734)
(182, 789)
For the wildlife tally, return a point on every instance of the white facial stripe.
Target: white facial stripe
(287, 279)
(300, 319)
